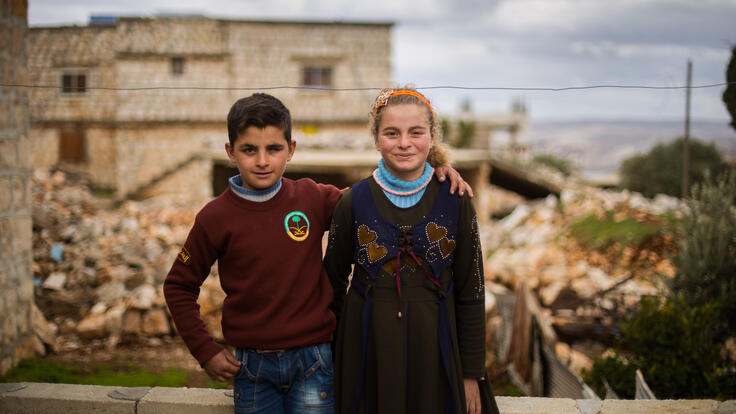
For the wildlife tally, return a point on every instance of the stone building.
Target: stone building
(16, 282)
(136, 104)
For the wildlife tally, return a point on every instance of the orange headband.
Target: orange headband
(383, 98)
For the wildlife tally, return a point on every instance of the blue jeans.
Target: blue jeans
(297, 380)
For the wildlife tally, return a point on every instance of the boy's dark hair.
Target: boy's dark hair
(259, 110)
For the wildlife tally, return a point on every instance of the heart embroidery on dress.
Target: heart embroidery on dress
(435, 232)
(447, 246)
(376, 252)
(365, 235)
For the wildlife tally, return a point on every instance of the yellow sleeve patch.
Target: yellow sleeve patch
(184, 256)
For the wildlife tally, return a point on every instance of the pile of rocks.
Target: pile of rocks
(99, 270)
(582, 293)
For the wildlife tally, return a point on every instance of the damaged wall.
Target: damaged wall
(16, 283)
(129, 133)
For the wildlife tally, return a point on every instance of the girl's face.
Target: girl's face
(404, 139)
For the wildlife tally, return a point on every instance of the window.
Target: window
(317, 76)
(73, 83)
(72, 145)
(177, 65)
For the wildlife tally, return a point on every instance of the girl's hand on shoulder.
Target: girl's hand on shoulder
(472, 396)
(456, 181)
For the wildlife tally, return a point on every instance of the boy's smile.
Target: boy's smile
(261, 156)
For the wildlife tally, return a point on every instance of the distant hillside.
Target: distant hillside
(599, 146)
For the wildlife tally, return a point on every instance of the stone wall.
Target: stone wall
(16, 285)
(136, 133)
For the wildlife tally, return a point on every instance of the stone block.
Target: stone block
(156, 322)
(5, 195)
(6, 236)
(4, 35)
(22, 234)
(44, 398)
(164, 400)
(530, 405)
(24, 155)
(132, 322)
(8, 156)
(4, 114)
(26, 349)
(19, 192)
(659, 406)
(727, 407)
(5, 365)
(16, 40)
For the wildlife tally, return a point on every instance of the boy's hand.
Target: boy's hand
(456, 181)
(472, 396)
(222, 366)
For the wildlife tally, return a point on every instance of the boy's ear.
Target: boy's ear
(292, 148)
(229, 150)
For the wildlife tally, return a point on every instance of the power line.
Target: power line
(319, 88)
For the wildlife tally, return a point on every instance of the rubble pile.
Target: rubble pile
(98, 271)
(582, 293)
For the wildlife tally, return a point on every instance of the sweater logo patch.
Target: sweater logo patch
(297, 225)
(184, 256)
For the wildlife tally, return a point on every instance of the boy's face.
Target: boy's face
(261, 156)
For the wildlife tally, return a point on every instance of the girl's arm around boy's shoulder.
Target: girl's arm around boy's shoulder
(339, 254)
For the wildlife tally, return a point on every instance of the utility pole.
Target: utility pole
(686, 139)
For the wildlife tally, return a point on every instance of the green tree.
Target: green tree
(660, 170)
(729, 95)
(465, 133)
(706, 263)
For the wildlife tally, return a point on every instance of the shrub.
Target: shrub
(673, 345)
(706, 265)
(660, 170)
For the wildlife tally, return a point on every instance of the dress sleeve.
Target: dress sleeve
(181, 290)
(470, 292)
(339, 254)
(330, 196)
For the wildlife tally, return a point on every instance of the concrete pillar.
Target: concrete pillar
(16, 279)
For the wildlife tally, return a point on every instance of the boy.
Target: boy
(265, 232)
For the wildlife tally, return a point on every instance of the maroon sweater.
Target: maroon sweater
(277, 290)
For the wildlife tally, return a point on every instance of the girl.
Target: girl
(411, 327)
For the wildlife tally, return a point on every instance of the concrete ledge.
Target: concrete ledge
(43, 398)
(63, 398)
(162, 400)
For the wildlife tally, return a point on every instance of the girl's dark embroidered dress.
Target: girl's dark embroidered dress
(405, 342)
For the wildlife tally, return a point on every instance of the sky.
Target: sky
(510, 44)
